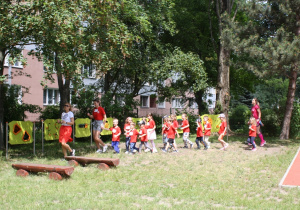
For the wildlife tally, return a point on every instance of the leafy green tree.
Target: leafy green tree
(271, 40)
(16, 25)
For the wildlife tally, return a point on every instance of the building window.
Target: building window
(144, 101)
(89, 70)
(17, 62)
(161, 105)
(152, 102)
(177, 103)
(51, 97)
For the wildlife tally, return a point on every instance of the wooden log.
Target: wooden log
(73, 163)
(55, 176)
(63, 170)
(103, 166)
(22, 173)
(88, 160)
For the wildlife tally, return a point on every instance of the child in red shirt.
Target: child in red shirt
(186, 131)
(126, 132)
(199, 137)
(133, 133)
(222, 131)
(116, 132)
(164, 131)
(252, 133)
(143, 137)
(171, 128)
(207, 131)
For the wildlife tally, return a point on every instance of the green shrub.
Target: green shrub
(50, 112)
(238, 118)
(295, 121)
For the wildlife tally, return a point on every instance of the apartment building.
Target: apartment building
(29, 77)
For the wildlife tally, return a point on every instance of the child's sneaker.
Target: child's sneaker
(208, 145)
(175, 151)
(99, 151)
(253, 149)
(205, 148)
(126, 152)
(73, 152)
(105, 148)
(186, 147)
(164, 150)
(263, 143)
(226, 145)
(134, 151)
(223, 148)
(147, 150)
(154, 150)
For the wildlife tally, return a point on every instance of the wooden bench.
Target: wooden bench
(56, 171)
(103, 163)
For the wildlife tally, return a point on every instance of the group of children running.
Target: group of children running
(170, 128)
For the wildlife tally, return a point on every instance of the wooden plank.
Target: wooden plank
(32, 167)
(88, 160)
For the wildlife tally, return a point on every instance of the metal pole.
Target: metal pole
(6, 140)
(91, 132)
(33, 138)
(43, 137)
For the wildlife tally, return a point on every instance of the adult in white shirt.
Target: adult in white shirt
(65, 132)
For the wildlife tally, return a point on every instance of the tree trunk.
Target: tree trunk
(199, 101)
(285, 131)
(2, 124)
(223, 86)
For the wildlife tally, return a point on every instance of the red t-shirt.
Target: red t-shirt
(133, 135)
(165, 128)
(127, 129)
(251, 132)
(98, 113)
(171, 131)
(115, 131)
(207, 132)
(150, 124)
(175, 124)
(142, 132)
(222, 127)
(199, 131)
(254, 111)
(185, 123)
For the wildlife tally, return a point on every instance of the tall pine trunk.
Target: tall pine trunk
(285, 132)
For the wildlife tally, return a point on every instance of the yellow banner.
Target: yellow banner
(107, 124)
(179, 120)
(82, 127)
(20, 132)
(51, 129)
(214, 121)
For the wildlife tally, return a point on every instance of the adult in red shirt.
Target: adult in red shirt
(99, 117)
(199, 138)
(222, 131)
(256, 113)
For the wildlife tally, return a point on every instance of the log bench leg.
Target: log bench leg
(55, 176)
(73, 163)
(22, 172)
(103, 166)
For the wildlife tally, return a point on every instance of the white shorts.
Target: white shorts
(185, 136)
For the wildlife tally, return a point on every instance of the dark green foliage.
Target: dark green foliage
(295, 123)
(238, 118)
(50, 112)
(83, 100)
(13, 108)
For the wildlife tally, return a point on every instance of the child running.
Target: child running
(171, 135)
(133, 133)
(186, 131)
(222, 131)
(127, 128)
(143, 137)
(164, 131)
(151, 134)
(116, 132)
(252, 133)
(207, 131)
(199, 137)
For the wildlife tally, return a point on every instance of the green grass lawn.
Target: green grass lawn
(190, 179)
